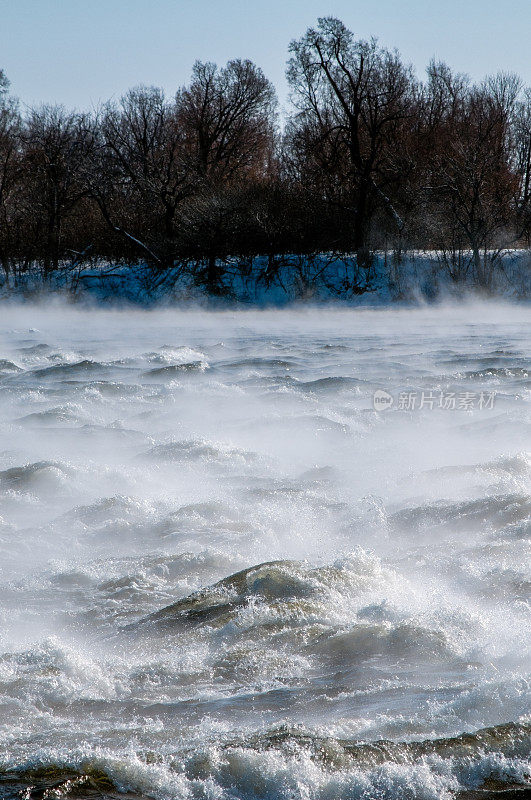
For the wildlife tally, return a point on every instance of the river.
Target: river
(224, 573)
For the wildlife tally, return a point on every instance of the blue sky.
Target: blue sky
(81, 52)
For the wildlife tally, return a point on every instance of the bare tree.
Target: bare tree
(142, 164)
(522, 164)
(10, 173)
(353, 98)
(228, 114)
(57, 146)
(472, 184)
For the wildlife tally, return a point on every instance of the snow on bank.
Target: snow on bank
(417, 277)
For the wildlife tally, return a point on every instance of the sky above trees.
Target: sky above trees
(80, 53)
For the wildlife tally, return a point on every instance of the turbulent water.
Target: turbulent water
(224, 574)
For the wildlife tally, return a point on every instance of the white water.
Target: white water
(146, 456)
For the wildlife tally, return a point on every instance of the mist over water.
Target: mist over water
(223, 574)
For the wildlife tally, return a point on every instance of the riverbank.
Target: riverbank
(417, 277)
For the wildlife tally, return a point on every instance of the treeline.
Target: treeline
(371, 158)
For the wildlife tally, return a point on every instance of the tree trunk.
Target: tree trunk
(476, 255)
(51, 256)
(5, 264)
(361, 230)
(212, 276)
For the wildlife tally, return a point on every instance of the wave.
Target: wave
(61, 415)
(176, 369)
(218, 603)
(286, 763)
(9, 367)
(109, 509)
(290, 596)
(337, 383)
(35, 349)
(494, 511)
(39, 475)
(56, 781)
(197, 450)
(512, 739)
(393, 642)
(70, 370)
(113, 389)
(517, 465)
(113, 432)
(259, 363)
(168, 354)
(495, 372)
(337, 347)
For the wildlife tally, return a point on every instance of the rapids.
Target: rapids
(225, 574)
